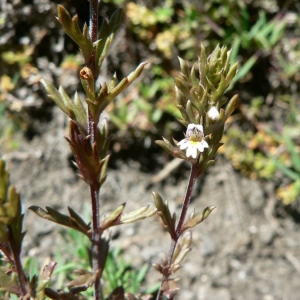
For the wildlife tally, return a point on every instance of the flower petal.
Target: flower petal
(184, 145)
(204, 143)
(182, 142)
(200, 147)
(199, 128)
(191, 151)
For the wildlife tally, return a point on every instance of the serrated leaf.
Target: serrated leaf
(139, 214)
(182, 248)
(113, 218)
(59, 218)
(78, 219)
(71, 27)
(195, 220)
(165, 214)
(54, 95)
(82, 282)
(126, 81)
(107, 35)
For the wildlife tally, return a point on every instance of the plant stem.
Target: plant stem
(93, 32)
(92, 131)
(188, 195)
(96, 236)
(17, 263)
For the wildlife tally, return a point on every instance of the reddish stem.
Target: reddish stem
(92, 131)
(96, 236)
(17, 263)
(195, 172)
(93, 32)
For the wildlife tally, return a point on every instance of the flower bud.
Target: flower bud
(213, 114)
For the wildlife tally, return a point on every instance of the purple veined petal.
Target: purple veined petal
(184, 146)
(199, 128)
(182, 142)
(195, 131)
(190, 127)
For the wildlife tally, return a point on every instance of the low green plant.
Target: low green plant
(117, 272)
(263, 36)
(289, 165)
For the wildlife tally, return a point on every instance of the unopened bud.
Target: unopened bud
(213, 114)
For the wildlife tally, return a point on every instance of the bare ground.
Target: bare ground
(246, 249)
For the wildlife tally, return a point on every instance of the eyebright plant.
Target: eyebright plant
(200, 100)
(89, 141)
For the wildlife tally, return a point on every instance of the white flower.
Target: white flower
(213, 114)
(194, 140)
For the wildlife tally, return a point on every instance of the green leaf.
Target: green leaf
(195, 220)
(106, 36)
(113, 218)
(71, 27)
(164, 212)
(182, 249)
(55, 95)
(245, 68)
(82, 282)
(294, 154)
(139, 214)
(126, 81)
(55, 216)
(288, 172)
(277, 32)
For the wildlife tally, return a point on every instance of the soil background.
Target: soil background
(242, 251)
(248, 248)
